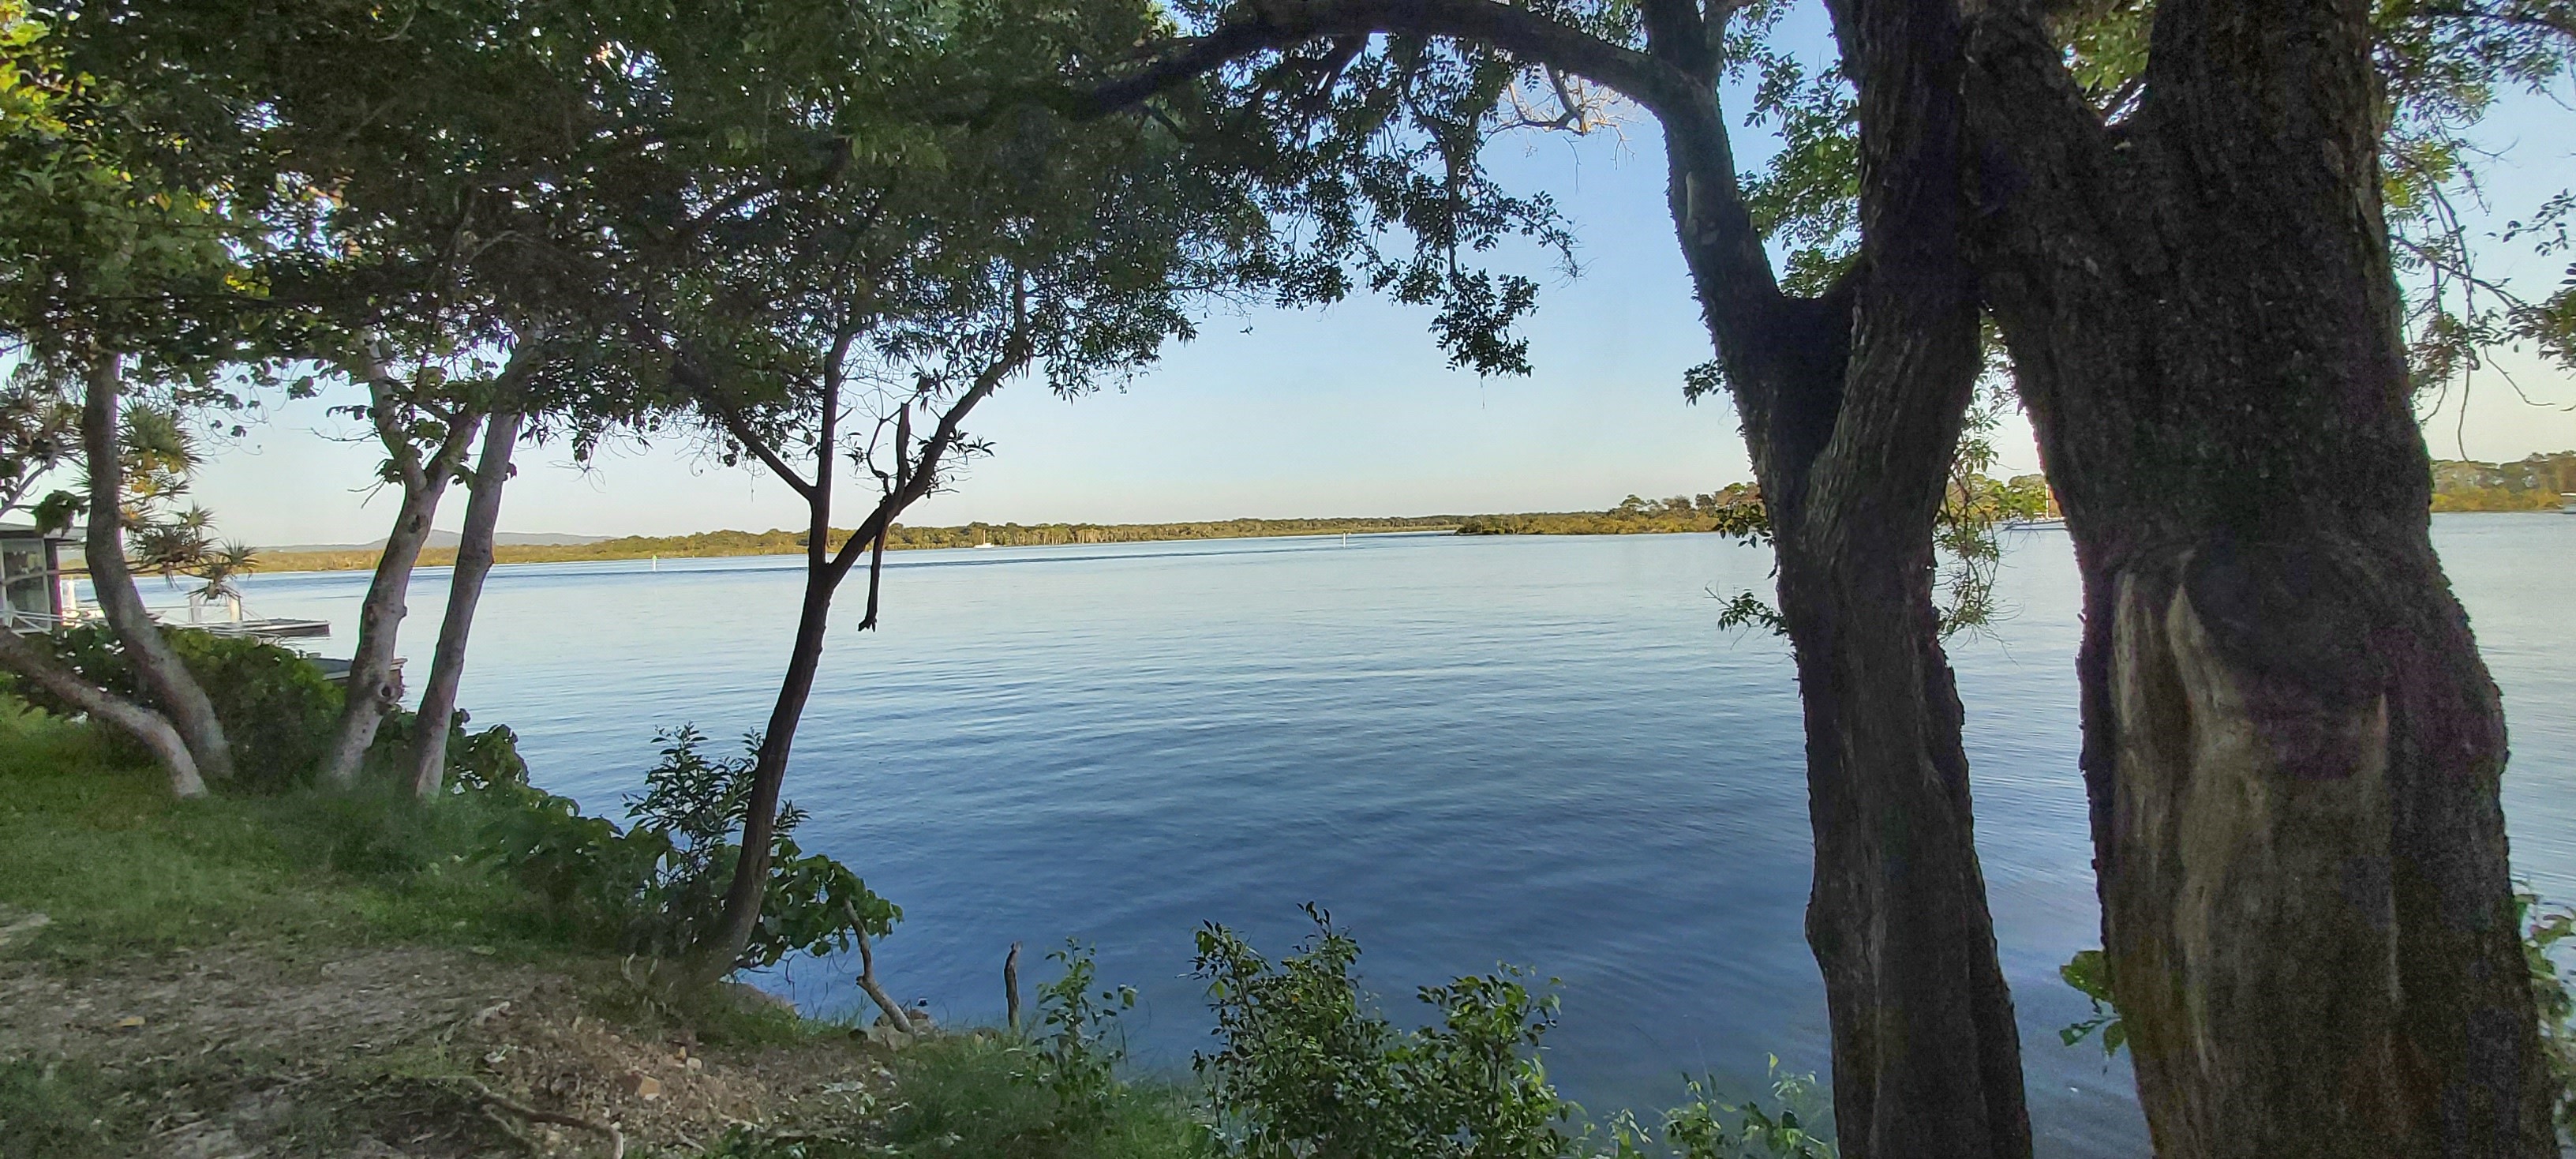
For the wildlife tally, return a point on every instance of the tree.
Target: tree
(1853, 384)
(464, 593)
(121, 255)
(449, 152)
(865, 272)
(2291, 745)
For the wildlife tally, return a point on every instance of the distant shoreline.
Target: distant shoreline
(745, 544)
(748, 544)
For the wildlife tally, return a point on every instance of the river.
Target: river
(1540, 750)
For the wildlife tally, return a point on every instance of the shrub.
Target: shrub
(657, 886)
(1308, 1067)
(277, 709)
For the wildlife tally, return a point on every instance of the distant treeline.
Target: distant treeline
(777, 542)
(1738, 508)
(2534, 484)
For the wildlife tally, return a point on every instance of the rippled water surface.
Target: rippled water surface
(1539, 750)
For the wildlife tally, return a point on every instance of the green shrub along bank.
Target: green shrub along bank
(278, 710)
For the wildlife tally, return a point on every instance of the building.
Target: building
(35, 589)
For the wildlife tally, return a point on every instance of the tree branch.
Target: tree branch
(1258, 26)
(737, 424)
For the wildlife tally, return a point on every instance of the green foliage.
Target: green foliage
(1307, 1066)
(657, 886)
(95, 841)
(1077, 1054)
(2536, 483)
(983, 1096)
(2089, 972)
(1705, 1127)
(1734, 510)
(2543, 926)
(59, 1110)
(277, 708)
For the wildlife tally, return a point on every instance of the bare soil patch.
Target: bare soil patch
(397, 1051)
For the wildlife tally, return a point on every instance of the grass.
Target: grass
(121, 868)
(973, 1095)
(124, 872)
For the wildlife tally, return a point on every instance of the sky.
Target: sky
(1348, 411)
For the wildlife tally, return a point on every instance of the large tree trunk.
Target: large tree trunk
(165, 678)
(143, 724)
(1852, 406)
(464, 593)
(2292, 748)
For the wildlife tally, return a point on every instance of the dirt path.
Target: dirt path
(396, 1051)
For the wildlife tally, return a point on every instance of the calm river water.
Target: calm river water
(1532, 749)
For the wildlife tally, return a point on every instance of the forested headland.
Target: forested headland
(2536, 483)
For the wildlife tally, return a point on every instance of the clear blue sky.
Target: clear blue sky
(1348, 411)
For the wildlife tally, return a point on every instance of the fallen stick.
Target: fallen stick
(616, 1138)
(894, 1014)
(1011, 988)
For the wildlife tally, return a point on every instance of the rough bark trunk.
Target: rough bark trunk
(2292, 748)
(143, 724)
(371, 691)
(464, 593)
(165, 678)
(1852, 407)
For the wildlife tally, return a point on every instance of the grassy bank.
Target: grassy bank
(305, 974)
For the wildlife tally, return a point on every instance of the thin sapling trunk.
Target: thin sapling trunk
(824, 571)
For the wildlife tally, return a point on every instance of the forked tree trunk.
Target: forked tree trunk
(464, 594)
(915, 475)
(164, 677)
(135, 720)
(2291, 746)
(371, 691)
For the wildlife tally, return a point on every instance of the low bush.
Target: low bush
(1308, 1067)
(278, 709)
(656, 887)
